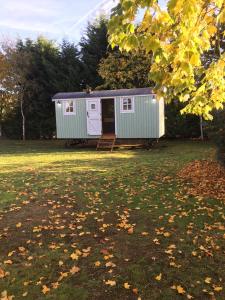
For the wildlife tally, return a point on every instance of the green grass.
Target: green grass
(68, 200)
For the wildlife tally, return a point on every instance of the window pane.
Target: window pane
(129, 107)
(124, 106)
(93, 106)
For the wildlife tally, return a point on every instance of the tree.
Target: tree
(6, 99)
(71, 68)
(15, 82)
(44, 81)
(177, 37)
(94, 45)
(125, 70)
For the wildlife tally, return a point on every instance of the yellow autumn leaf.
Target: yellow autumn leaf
(208, 280)
(212, 29)
(166, 234)
(8, 262)
(18, 225)
(130, 230)
(217, 288)
(2, 273)
(45, 289)
(180, 290)
(144, 233)
(74, 256)
(5, 296)
(61, 263)
(97, 263)
(158, 277)
(55, 285)
(195, 59)
(110, 282)
(126, 285)
(74, 270)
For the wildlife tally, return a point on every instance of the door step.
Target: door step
(106, 143)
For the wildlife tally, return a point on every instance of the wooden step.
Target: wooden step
(106, 142)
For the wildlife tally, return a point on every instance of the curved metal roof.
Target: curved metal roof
(102, 94)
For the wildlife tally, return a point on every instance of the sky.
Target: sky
(54, 19)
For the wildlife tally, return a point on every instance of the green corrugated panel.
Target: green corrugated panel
(74, 126)
(146, 122)
(143, 123)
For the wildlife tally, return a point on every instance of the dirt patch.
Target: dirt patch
(207, 179)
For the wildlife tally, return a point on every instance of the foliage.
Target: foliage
(217, 132)
(93, 47)
(70, 69)
(125, 70)
(74, 226)
(7, 100)
(16, 82)
(44, 69)
(48, 69)
(180, 126)
(177, 37)
(130, 70)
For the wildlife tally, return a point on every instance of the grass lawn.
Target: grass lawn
(81, 224)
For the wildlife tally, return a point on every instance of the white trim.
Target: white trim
(100, 114)
(132, 104)
(115, 116)
(74, 108)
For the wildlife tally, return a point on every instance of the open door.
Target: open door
(108, 116)
(94, 120)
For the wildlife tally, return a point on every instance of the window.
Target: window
(69, 107)
(127, 105)
(93, 106)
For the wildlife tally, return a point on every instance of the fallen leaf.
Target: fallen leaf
(126, 285)
(74, 270)
(208, 280)
(2, 273)
(5, 296)
(8, 262)
(130, 230)
(158, 277)
(61, 263)
(97, 263)
(217, 288)
(45, 289)
(180, 290)
(74, 256)
(110, 282)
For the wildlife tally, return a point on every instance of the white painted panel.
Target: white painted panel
(94, 120)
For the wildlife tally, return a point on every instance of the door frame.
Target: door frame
(114, 103)
(100, 113)
(102, 98)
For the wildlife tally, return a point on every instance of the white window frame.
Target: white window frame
(71, 113)
(132, 110)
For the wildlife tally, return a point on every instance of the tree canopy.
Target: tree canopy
(94, 46)
(125, 70)
(178, 37)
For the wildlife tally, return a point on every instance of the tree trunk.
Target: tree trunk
(201, 128)
(0, 130)
(23, 120)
